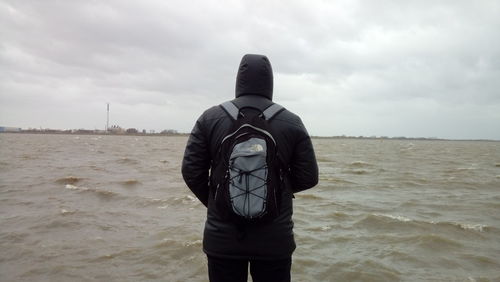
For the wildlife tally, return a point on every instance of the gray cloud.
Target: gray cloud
(415, 68)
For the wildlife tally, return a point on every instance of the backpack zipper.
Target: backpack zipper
(216, 190)
(253, 127)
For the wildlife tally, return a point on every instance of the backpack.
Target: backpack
(249, 170)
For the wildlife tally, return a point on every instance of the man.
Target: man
(231, 247)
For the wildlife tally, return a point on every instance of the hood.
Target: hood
(255, 77)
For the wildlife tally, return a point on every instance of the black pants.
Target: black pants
(234, 270)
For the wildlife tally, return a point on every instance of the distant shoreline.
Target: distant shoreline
(94, 133)
(187, 134)
(400, 138)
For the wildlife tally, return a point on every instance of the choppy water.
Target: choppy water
(115, 208)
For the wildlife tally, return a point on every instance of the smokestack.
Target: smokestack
(107, 120)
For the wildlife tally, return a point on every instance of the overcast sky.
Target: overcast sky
(385, 68)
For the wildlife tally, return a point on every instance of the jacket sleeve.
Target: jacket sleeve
(196, 162)
(303, 167)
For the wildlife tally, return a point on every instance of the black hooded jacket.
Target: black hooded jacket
(254, 87)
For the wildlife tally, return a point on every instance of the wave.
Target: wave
(178, 245)
(184, 200)
(358, 270)
(406, 147)
(418, 182)
(324, 159)
(335, 180)
(322, 228)
(69, 180)
(465, 226)
(120, 254)
(96, 168)
(29, 157)
(395, 217)
(105, 194)
(388, 221)
(58, 223)
(482, 260)
(339, 215)
(128, 161)
(67, 212)
(14, 237)
(195, 243)
(435, 242)
(130, 182)
(359, 164)
(462, 170)
(308, 196)
(167, 202)
(465, 168)
(356, 171)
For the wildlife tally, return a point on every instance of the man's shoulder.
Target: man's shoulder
(288, 117)
(214, 112)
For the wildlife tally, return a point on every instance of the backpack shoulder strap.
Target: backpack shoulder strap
(272, 111)
(231, 109)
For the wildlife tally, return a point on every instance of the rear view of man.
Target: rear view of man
(254, 234)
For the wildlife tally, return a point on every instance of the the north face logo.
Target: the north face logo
(256, 148)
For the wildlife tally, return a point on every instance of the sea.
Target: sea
(115, 208)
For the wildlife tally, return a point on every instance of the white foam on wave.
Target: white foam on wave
(475, 227)
(472, 167)
(105, 193)
(360, 163)
(192, 243)
(166, 203)
(465, 226)
(155, 200)
(187, 199)
(395, 217)
(66, 212)
(72, 187)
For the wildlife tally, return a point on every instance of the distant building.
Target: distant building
(169, 131)
(83, 131)
(116, 129)
(9, 129)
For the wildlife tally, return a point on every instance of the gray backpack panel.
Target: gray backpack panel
(248, 174)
